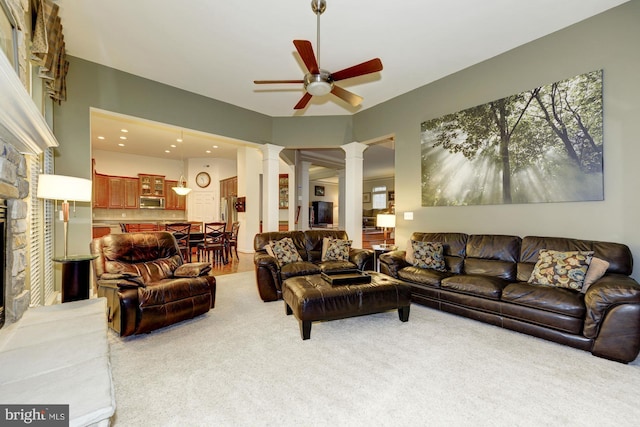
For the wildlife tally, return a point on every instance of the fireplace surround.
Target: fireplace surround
(23, 131)
(14, 190)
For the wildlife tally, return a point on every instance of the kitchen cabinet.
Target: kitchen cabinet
(173, 201)
(123, 193)
(229, 187)
(100, 191)
(151, 185)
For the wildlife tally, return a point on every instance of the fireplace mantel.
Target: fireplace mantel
(20, 122)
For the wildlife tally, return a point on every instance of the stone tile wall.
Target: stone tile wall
(14, 188)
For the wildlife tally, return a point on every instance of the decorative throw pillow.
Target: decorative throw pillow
(408, 255)
(269, 249)
(596, 270)
(428, 255)
(285, 251)
(335, 249)
(561, 269)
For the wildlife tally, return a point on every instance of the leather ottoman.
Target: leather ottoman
(311, 298)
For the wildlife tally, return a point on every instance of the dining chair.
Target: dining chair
(232, 240)
(214, 241)
(182, 232)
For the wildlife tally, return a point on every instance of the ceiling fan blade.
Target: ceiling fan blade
(347, 96)
(367, 67)
(266, 82)
(306, 53)
(303, 101)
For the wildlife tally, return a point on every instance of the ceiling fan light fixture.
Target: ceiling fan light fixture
(318, 84)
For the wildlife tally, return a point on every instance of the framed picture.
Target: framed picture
(544, 145)
(8, 39)
(392, 195)
(366, 197)
(319, 190)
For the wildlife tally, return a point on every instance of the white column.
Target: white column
(293, 206)
(341, 200)
(302, 182)
(353, 191)
(270, 192)
(249, 163)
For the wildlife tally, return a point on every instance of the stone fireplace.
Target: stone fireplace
(23, 129)
(14, 189)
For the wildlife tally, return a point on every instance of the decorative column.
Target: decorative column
(293, 207)
(270, 191)
(302, 182)
(249, 169)
(341, 200)
(353, 190)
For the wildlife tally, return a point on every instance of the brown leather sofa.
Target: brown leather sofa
(147, 284)
(486, 279)
(270, 275)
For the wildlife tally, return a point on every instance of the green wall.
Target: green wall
(609, 41)
(315, 132)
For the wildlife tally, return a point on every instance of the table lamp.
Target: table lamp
(385, 221)
(65, 188)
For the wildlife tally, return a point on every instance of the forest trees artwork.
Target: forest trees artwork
(539, 146)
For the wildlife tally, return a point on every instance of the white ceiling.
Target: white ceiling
(216, 48)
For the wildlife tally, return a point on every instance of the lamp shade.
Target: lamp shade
(60, 187)
(386, 220)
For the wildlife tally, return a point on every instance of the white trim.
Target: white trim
(28, 131)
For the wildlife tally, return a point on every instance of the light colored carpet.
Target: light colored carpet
(244, 364)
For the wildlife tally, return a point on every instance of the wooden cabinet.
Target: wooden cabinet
(131, 198)
(229, 187)
(283, 191)
(100, 191)
(151, 185)
(173, 201)
(123, 193)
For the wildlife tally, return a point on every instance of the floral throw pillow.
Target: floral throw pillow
(335, 249)
(561, 269)
(428, 255)
(285, 251)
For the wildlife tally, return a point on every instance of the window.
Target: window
(379, 197)
(40, 218)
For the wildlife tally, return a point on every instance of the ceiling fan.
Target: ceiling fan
(319, 82)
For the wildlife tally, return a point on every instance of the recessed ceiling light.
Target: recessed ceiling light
(123, 137)
(179, 139)
(101, 137)
(124, 130)
(173, 145)
(215, 146)
(121, 145)
(167, 151)
(208, 151)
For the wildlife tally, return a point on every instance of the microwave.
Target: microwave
(147, 202)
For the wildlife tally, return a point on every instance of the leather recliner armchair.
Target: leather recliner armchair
(146, 282)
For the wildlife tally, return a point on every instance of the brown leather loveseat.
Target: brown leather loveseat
(308, 243)
(486, 279)
(147, 284)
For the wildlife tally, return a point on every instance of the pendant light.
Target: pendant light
(181, 189)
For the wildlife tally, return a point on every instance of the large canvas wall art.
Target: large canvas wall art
(539, 146)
